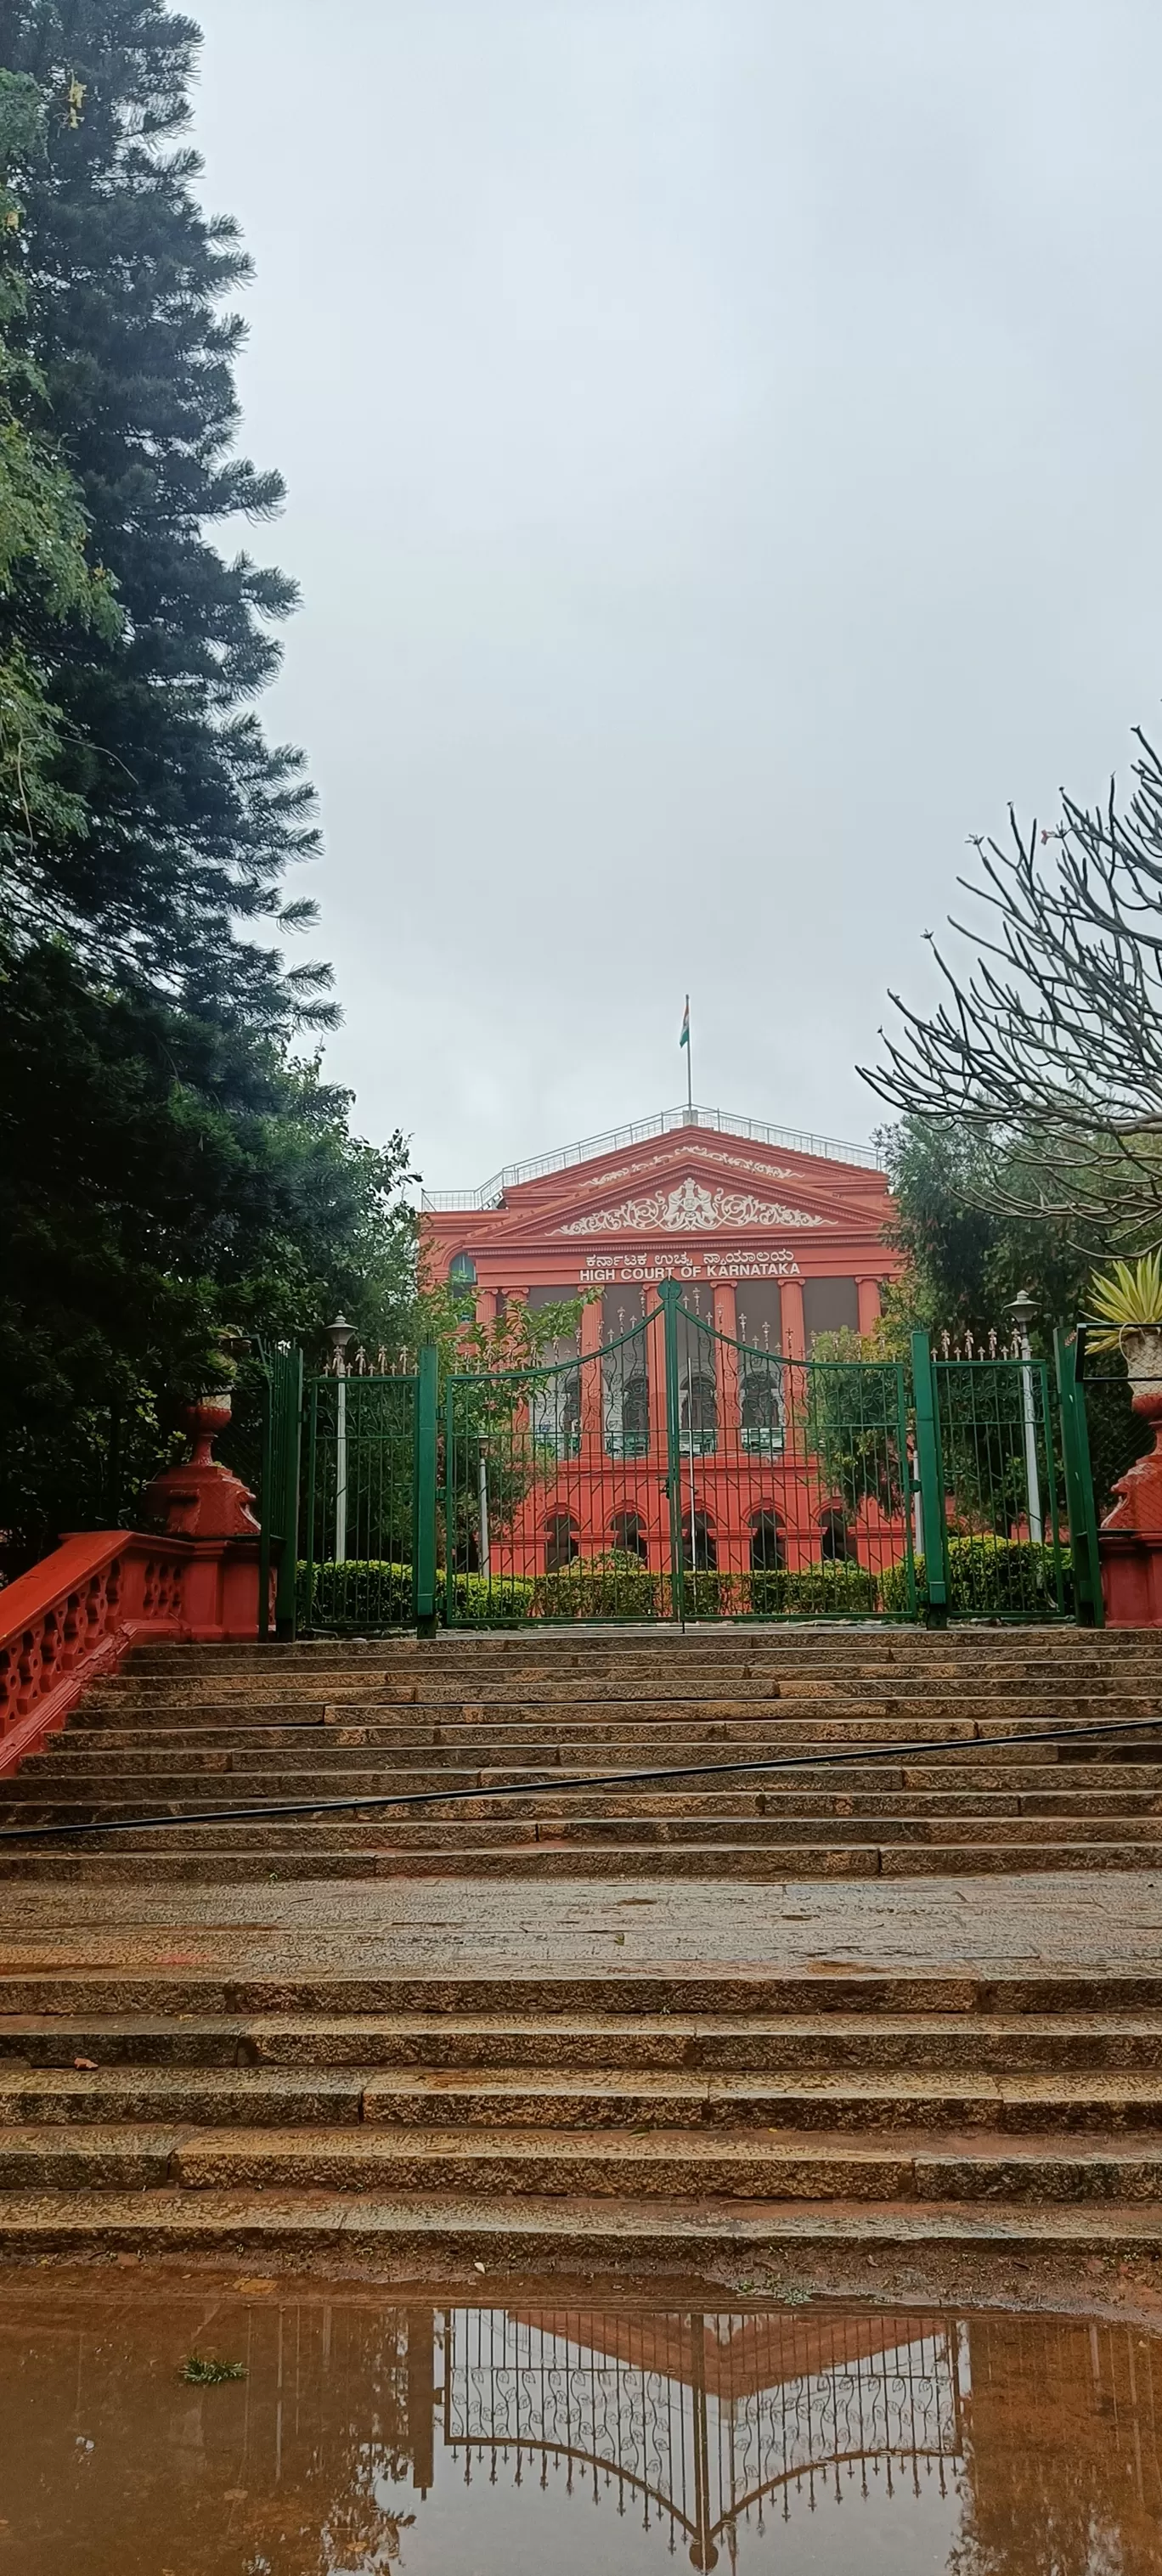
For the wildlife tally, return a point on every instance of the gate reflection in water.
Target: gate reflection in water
(702, 2422)
(450, 2441)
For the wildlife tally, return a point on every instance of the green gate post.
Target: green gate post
(669, 1294)
(267, 1489)
(1088, 1604)
(931, 1482)
(287, 1436)
(424, 1529)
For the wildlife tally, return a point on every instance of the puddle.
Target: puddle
(507, 2441)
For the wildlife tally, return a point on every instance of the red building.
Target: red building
(775, 1238)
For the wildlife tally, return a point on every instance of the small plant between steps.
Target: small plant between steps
(202, 2371)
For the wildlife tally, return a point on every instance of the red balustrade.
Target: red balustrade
(70, 1619)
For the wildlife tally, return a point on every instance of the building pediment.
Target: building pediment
(691, 1206)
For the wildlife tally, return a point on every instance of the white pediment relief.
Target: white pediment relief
(690, 1208)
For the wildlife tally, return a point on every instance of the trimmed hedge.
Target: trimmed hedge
(613, 1586)
(370, 1593)
(989, 1577)
(366, 1592)
(843, 1590)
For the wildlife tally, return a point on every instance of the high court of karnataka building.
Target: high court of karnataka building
(775, 1238)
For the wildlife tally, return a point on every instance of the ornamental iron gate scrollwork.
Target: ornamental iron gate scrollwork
(677, 1472)
(707, 2424)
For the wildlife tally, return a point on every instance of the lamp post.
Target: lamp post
(1022, 1309)
(341, 1333)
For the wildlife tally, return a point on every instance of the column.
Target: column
(869, 1304)
(794, 1327)
(732, 1482)
(726, 1364)
(592, 1391)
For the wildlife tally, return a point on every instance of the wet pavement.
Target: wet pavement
(374, 2430)
(1072, 1921)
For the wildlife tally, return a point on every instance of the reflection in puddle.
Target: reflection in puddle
(476, 2440)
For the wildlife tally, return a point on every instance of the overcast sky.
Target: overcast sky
(724, 447)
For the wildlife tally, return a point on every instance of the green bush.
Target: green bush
(989, 1577)
(843, 1590)
(613, 1586)
(487, 1601)
(366, 1593)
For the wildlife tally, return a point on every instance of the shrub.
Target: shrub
(487, 1600)
(368, 1594)
(843, 1590)
(365, 1593)
(613, 1586)
(989, 1577)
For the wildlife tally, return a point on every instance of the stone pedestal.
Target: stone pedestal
(1130, 1537)
(202, 1499)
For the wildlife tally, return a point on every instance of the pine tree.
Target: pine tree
(166, 1164)
(192, 818)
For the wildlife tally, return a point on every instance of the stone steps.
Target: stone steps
(886, 1811)
(651, 2163)
(513, 2236)
(158, 2091)
(628, 2102)
(998, 2045)
(783, 1862)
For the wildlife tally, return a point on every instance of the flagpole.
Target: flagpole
(689, 1066)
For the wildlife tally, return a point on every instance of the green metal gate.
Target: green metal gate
(789, 1478)
(679, 1472)
(282, 1414)
(990, 1522)
(676, 1472)
(357, 1568)
(545, 1478)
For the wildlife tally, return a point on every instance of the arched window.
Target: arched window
(762, 1408)
(555, 1411)
(462, 1271)
(562, 1542)
(699, 1546)
(628, 1533)
(635, 1416)
(766, 1542)
(699, 1410)
(834, 1540)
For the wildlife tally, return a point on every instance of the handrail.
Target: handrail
(269, 1808)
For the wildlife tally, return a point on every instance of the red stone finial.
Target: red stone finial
(202, 1499)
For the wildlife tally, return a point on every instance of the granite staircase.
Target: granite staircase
(216, 1728)
(194, 2051)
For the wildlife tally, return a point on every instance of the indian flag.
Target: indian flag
(684, 1040)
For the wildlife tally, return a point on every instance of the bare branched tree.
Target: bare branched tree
(1051, 1045)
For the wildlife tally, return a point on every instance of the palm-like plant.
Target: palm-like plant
(1127, 1298)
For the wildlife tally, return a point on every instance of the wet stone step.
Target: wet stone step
(88, 1865)
(498, 1798)
(996, 2043)
(905, 2165)
(563, 2101)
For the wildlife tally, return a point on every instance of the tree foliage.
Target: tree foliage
(168, 1162)
(192, 818)
(1047, 1050)
(965, 1262)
